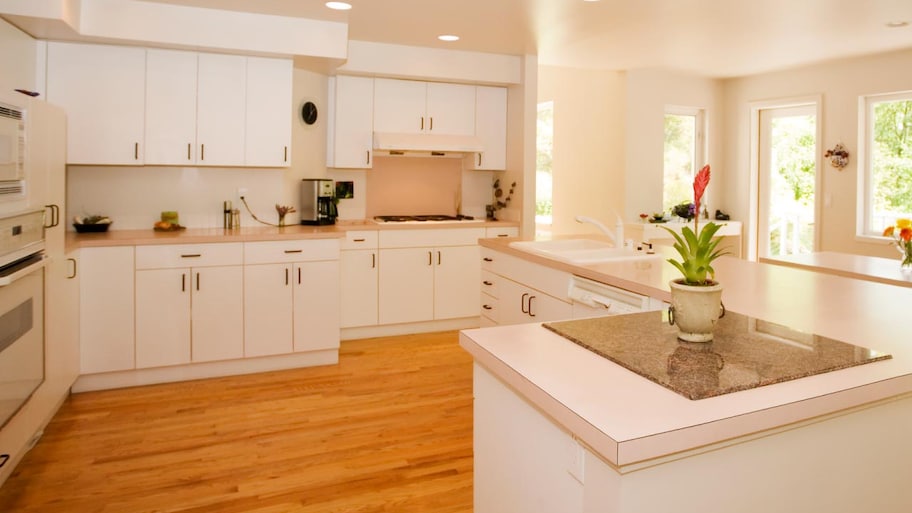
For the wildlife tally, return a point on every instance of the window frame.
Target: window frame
(864, 230)
(700, 145)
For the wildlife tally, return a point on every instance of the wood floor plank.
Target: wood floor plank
(388, 429)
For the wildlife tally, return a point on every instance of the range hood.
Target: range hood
(426, 144)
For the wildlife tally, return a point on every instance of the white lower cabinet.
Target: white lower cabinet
(515, 291)
(291, 297)
(106, 309)
(360, 269)
(188, 314)
(425, 274)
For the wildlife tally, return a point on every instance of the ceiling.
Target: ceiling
(717, 38)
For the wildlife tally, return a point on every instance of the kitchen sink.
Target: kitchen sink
(580, 251)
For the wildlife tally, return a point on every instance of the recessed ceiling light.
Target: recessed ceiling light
(448, 37)
(896, 24)
(339, 6)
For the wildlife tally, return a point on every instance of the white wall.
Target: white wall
(840, 83)
(648, 93)
(588, 153)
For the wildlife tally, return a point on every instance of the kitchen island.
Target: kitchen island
(559, 428)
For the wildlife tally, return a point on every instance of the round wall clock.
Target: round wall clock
(309, 113)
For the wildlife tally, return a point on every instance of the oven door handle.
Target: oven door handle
(13, 275)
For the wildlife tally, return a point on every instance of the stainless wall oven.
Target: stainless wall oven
(22, 262)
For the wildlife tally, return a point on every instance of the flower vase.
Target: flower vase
(695, 309)
(905, 249)
(281, 220)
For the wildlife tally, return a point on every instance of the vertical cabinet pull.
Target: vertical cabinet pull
(286, 276)
(202, 152)
(55, 215)
(71, 276)
(285, 158)
(522, 303)
(530, 306)
(422, 123)
(299, 275)
(197, 281)
(438, 258)
(479, 160)
(135, 151)
(188, 151)
(432, 123)
(430, 258)
(183, 282)
(373, 260)
(368, 161)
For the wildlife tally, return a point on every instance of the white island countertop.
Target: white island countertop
(883, 270)
(628, 419)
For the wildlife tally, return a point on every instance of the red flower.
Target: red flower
(905, 234)
(700, 183)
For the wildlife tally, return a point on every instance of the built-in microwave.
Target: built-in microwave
(12, 151)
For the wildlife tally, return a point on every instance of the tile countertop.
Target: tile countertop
(254, 233)
(883, 270)
(628, 419)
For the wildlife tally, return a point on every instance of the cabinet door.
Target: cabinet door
(267, 309)
(162, 317)
(351, 122)
(491, 127)
(221, 101)
(458, 268)
(316, 305)
(170, 107)
(102, 90)
(358, 288)
(399, 106)
(217, 318)
(269, 112)
(450, 109)
(106, 309)
(406, 285)
(519, 304)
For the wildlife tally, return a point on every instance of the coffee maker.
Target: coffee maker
(318, 204)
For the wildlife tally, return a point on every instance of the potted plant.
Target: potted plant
(696, 298)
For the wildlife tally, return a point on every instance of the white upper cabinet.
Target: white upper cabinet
(132, 106)
(405, 106)
(450, 109)
(351, 121)
(170, 107)
(221, 103)
(102, 90)
(269, 112)
(491, 128)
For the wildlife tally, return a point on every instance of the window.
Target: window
(544, 145)
(887, 180)
(683, 154)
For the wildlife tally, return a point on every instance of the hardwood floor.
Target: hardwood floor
(389, 429)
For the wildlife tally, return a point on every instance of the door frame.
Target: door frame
(753, 224)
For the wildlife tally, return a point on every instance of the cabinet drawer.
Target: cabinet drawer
(279, 252)
(490, 283)
(502, 231)
(433, 238)
(189, 255)
(490, 307)
(359, 239)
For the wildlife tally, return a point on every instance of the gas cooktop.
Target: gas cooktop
(423, 218)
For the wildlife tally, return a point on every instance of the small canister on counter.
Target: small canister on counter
(170, 216)
(226, 210)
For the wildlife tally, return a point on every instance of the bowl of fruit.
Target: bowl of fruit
(91, 224)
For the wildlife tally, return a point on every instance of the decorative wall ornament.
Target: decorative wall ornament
(839, 156)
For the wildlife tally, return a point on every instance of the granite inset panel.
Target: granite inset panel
(745, 353)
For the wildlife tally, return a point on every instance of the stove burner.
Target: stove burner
(422, 218)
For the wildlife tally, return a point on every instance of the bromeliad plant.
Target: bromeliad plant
(697, 247)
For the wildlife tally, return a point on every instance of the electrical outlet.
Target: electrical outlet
(241, 193)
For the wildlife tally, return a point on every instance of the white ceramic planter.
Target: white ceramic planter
(695, 310)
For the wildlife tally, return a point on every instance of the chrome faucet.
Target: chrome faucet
(617, 236)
